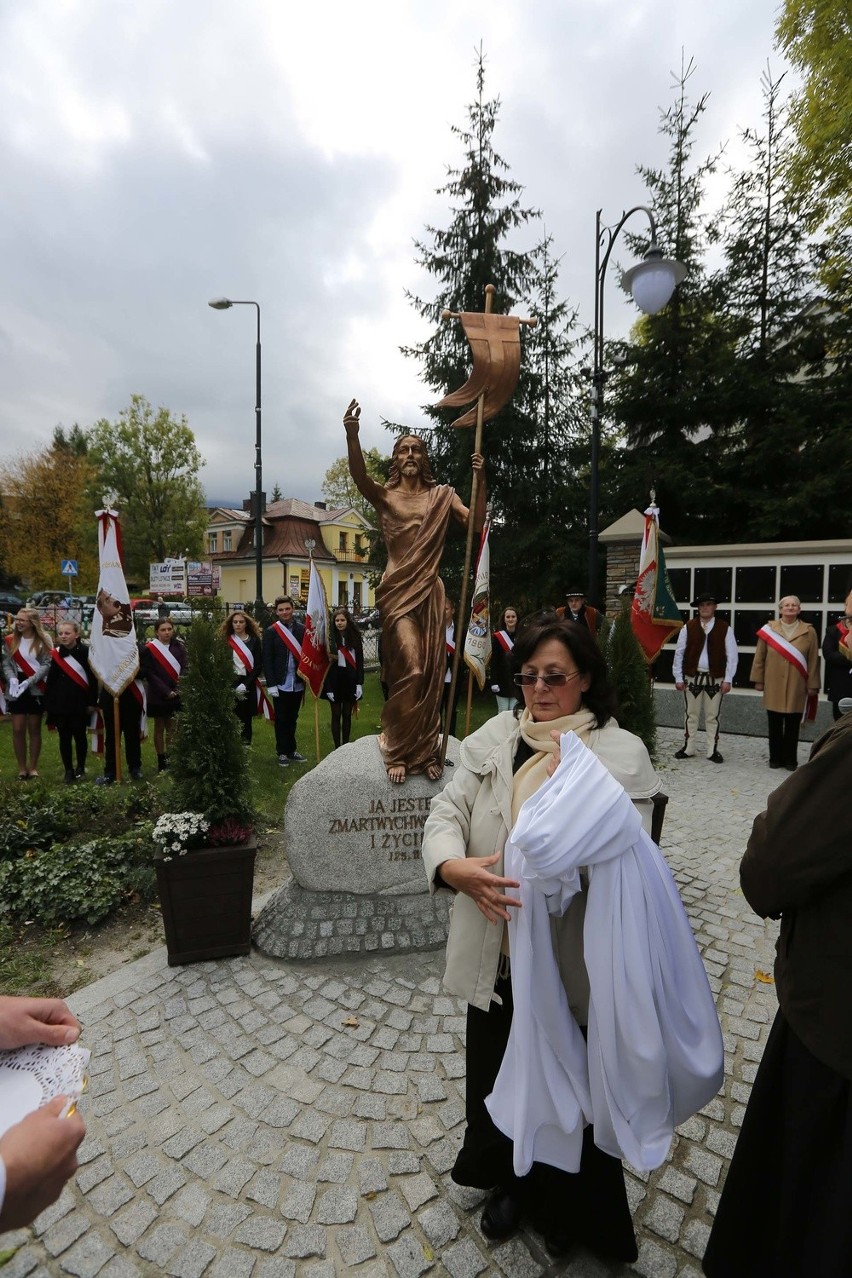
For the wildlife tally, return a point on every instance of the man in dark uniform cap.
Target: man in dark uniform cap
(576, 609)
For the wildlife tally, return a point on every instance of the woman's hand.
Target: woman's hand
(472, 875)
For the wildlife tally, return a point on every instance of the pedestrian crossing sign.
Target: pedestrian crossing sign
(69, 567)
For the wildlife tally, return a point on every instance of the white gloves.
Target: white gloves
(359, 692)
(330, 696)
(495, 687)
(14, 689)
(241, 691)
(272, 690)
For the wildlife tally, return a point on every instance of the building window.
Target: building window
(226, 541)
(802, 580)
(212, 543)
(343, 543)
(756, 585)
(714, 581)
(679, 582)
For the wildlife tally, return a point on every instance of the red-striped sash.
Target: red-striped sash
(264, 704)
(785, 649)
(348, 656)
(504, 639)
(71, 667)
(242, 652)
(293, 645)
(165, 660)
(24, 666)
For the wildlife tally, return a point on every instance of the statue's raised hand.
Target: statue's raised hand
(351, 419)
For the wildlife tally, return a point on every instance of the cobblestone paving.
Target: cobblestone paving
(254, 1117)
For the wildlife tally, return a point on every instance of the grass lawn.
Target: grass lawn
(40, 960)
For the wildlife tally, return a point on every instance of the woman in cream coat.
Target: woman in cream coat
(785, 686)
(565, 688)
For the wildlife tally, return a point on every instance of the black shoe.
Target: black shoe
(775, 765)
(501, 1216)
(104, 780)
(681, 754)
(69, 776)
(715, 757)
(135, 774)
(295, 757)
(791, 767)
(80, 774)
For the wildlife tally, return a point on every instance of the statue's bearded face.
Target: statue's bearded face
(410, 455)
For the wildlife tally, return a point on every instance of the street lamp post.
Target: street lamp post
(224, 304)
(651, 283)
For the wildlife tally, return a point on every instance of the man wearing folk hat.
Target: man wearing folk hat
(576, 609)
(705, 663)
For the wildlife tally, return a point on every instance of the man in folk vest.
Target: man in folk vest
(705, 663)
(282, 649)
(576, 609)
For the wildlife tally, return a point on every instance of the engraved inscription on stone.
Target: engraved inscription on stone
(394, 827)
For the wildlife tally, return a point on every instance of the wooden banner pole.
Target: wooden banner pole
(116, 727)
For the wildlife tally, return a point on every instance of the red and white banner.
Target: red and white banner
(113, 653)
(654, 615)
(315, 660)
(477, 640)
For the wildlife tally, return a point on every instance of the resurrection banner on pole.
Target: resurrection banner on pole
(477, 641)
(113, 652)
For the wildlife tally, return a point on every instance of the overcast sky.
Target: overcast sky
(158, 153)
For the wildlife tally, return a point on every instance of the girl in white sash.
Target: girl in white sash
(70, 695)
(26, 661)
(786, 670)
(548, 1114)
(163, 663)
(500, 671)
(242, 635)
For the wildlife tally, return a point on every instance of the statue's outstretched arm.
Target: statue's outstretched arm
(365, 484)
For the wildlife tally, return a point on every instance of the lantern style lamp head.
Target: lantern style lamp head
(653, 281)
(221, 303)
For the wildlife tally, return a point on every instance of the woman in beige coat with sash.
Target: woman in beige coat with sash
(786, 670)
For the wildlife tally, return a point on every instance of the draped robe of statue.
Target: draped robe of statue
(411, 602)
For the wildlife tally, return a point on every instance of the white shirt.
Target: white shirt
(731, 654)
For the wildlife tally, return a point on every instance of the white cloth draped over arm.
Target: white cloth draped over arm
(654, 1053)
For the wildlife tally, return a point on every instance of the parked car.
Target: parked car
(148, 611)
(368, 620)
(10, 603)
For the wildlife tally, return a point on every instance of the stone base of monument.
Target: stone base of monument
(352, 842)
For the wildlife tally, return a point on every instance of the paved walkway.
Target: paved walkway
(254, 1117)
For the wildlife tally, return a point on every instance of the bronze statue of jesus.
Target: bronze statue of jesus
(414, 512)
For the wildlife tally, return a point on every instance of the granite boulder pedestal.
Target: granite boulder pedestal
(352, 842)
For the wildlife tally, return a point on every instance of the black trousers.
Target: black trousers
(244, 711)
(129, 719)
(341, 721)
(783, 737)
(287, 707)
(71, 729)
(590, 1205)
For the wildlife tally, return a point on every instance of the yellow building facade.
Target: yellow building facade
(340, 547)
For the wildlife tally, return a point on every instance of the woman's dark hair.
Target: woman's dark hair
(351, 635)
(600, 697)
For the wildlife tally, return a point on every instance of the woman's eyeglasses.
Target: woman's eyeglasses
(549, 680)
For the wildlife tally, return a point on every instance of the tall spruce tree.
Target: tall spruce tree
(666, 397)
(472, 251)
(765, 283)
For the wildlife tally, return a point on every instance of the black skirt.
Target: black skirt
(590, 1205)
(786, 1208)
(26, 703)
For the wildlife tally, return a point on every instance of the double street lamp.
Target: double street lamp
(224, 304)
(651, 283)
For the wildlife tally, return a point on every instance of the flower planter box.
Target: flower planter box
(205, 899)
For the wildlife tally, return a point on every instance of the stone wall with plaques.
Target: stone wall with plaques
(352, 842)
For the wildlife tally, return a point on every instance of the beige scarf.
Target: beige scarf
(533, 773)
